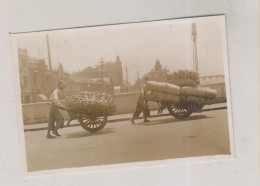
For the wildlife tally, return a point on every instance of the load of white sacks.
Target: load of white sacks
(158, 91)
(89, 102)
(199, 94)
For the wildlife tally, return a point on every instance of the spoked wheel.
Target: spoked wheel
(93, 123)
(179, 110)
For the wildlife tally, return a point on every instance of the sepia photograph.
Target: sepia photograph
(126, 93)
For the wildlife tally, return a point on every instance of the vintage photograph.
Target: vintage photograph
(124, 93)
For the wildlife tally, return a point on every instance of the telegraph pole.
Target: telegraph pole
(49, 53)
(138, 80)
(195, 55)
(126, 73)
(51, 83)
(102, 73)
(102, 69)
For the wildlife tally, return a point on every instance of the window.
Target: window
(25, 82)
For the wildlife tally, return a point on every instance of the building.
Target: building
(92, 84)
(112, 70)
(115, 71)
(34, 77)
(36, 81)
(157, 73)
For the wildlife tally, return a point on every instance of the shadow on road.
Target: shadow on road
(173, 120)
(87, 134)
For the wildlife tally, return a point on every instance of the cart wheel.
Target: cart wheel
(180, 110)
(93, 124)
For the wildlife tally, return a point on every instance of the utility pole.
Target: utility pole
(102, 73)
(49, 53)
(138, 80)
(195, 55)
(102, 69)
(126, 73)
(51, 83)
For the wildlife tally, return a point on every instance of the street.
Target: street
(164, 137)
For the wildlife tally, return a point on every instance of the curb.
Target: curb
(122, 119)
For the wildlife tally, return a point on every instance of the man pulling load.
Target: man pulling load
(55, 115)
(142, 104)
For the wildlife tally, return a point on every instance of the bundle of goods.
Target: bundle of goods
(184, 78)
(163, 87)
(161, 96)
(202, 95)
(88, 102)
(158, 91)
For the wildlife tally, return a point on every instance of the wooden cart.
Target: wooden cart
(90, 120)
(183, 110)
(180, 110)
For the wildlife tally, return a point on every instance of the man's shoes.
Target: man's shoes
(132, 121)
(55, 132)
(50, 136)
(146, 120)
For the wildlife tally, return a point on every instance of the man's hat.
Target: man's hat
(61, 84)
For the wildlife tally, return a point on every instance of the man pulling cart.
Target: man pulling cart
(55, 115)
(142, 104)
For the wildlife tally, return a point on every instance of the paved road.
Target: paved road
(121, 142)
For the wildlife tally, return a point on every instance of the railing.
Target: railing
(208, 80)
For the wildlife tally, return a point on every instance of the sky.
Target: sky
(138, 45)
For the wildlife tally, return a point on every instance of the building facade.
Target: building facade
(112, 70)
(36, 81)
(34, 77)
(157, 73)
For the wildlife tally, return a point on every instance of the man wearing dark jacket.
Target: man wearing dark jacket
(142, 104)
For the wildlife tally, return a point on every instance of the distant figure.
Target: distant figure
(142, 104)
(55, 115)
(162, 105)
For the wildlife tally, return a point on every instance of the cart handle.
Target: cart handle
(60, 107)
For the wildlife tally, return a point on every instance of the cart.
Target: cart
(182, 109)
(90, 120)
(90, 109)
